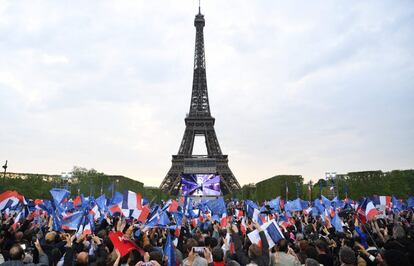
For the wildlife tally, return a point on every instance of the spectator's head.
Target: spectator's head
(282, 245)
(254, 251)
(303, 245)
(311, 262)
(311, 252)
(213, 243)
(321, 246)
(157, 256)
(50, 237)
(218, 254)
(191, 242)
(232, 263)
(19, 236)
(16, 252)
(347, 256)
(82, 258)
(398, 232)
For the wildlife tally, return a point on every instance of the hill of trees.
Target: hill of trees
(87, 182)
(354, 185)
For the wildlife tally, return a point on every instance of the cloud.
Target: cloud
(296, 87)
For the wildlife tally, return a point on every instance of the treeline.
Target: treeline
(354, 185)
(86, 182)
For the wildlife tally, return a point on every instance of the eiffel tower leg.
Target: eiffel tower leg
(172, 181)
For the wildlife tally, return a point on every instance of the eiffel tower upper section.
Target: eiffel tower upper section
(199, 122)
(199, 106)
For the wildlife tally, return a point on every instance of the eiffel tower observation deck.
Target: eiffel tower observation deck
(199, 122)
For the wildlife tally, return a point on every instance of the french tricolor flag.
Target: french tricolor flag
(194, 222)
(238, 213)
(223, 220)
(171, 206)
(87, 229)
(385, 201)
(243, 227)
(370, 211)
(255, 217)
(16, 220)
(132, 200)
(95, 212)
(141, 215)
(10, 199)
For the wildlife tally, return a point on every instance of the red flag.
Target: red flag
(139, 201)
(173, 206)
(77, 201)
(123, 244)
(223, 221)
(144, 214)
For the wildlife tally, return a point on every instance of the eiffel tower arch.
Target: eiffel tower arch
(199, 122)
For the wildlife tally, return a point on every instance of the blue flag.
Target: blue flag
(217, 206)
(296, 205)
(319, 206)
(337, 203)
(178, 216)
(396, 204)
(274, 233)
(410, 202)
(326, 202)
(275, 204)
(117, 198)
(164, 220)
(169, 250)
(101, 202)
(336, 222)
(72, 221)
(59, 195)
(362, 236)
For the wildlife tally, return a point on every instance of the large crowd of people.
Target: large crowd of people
(29, 235)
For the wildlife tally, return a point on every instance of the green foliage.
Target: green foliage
(87, 182)
(398, 182)
(32, 186)
(246, 192)
(92, 182)
(155, 194)
(275, 186)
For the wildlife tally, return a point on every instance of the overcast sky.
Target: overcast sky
(297, 87)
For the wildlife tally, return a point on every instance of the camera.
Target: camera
(199, 251)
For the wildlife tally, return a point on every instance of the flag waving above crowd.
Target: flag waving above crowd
(277, 218)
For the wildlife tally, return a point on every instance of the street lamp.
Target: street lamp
(4, 174)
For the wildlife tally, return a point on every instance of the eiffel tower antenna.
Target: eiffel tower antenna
(199, 122)
(199, 8)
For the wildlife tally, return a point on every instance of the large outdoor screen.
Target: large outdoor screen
(200, 184)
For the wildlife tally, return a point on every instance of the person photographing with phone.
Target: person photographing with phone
(17, 256)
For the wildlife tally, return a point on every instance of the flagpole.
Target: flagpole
(4, 174)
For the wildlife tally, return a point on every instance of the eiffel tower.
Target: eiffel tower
(199, 122)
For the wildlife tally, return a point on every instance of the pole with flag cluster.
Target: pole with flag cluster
(287, 191)
(297, 190)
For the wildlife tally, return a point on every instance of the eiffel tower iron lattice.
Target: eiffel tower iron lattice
(199, 122)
